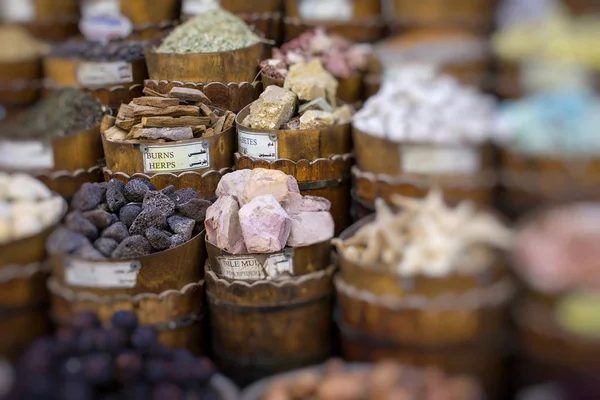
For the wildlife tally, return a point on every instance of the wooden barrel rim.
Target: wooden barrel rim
(497, 294)
(198, 85)
(53, 175)
(292, 281)
(50, 85)
(359, 22)
(140, 175)
(23, 272)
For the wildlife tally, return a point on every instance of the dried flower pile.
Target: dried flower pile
(385, 380)
(427, 238)
(213, 31)
(339, 56)
(181, 114)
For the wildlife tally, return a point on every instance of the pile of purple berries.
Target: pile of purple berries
(86, 361)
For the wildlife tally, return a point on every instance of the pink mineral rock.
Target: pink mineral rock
(265, 225)
(310, 228)
(223, 227)
(300, 204)
(234, 183)
(269, 181)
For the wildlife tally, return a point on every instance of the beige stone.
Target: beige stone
(319, 104)
(314, 119)
(343, 114)
(269, 181)
(311, 81)
(274, 107)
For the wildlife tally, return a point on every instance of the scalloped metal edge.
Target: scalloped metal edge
(291, 281)
(369, 21)
(55, 288)
(203, 84)
(334, 158)
(489, 176)
(71, 174)
(202, 175)
(264, 16)
(497, 294)
(13, 272)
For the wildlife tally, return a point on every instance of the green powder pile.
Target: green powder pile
(214, 31)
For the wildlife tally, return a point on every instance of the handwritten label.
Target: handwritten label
(102, 20)
(257, 145)
(26, 155)
(425, 159)
(177, 157)
(194, 7)
(326, 10)
(17, 10)
(102, 274)
(90, 74)
(251, 268)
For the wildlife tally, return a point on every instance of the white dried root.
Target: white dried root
(427, 238)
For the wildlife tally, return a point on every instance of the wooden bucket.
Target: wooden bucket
(20, 82)
(154, 273)
(177, 314)
(226, 96)
(261, 326)
(23, 295)
(97, 78)
(64, 164)
(456, 322)
(531, 180)
(583, 7)
(52, 20)
(319, 159)
(476, 15)
(350, 90)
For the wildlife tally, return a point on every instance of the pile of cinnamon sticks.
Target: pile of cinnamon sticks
(182, 114)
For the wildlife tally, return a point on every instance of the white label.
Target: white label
(17, 10)
(25, 155)
(250, 268)
(326, 10)
(424, 159)
(90, 74)
(102, 20)
(257, 145)
(194, 7)
(102, 274)
(177, 157)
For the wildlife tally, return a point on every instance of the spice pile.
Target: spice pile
(420, 105)
(427, 238)
(262, 211)
(19, 45)
(27, 207)
(385, 380)
(63, 113)
(213, 31)
(119, 221)
(307, 101)
(339, 56)
(180, 115)
(115, 50)
(86, 361)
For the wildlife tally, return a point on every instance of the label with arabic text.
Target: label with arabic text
(426, 159)
(177, 157)
(106, 275)
(257, 145)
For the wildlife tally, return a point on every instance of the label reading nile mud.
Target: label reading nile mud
(90, 74)
(425, 159)
(26, 155)
(257, 267)
(326, 10)
(177, 157)
(263, 146)
(194, 7)
(102, 274)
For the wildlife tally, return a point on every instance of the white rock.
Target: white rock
(23, 186)
(311, 227)
(234, 183)
(265, 225)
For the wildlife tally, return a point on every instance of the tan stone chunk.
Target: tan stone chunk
(310, 81)
(314, 119)
(319, 104)
(343, 114)
(274, 107)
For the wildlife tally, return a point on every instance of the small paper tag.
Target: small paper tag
(17, 10)
(326, 10)
(426, 159)
(194, 7)
(26, 155)
(102, 20)
(90, 74)
(252, 268)
(102, 274)
(257, 145)
(177, 157)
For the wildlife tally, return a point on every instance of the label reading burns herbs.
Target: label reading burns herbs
(194, 7)
(91, 74)
(256, 267)
(26, 155)
(438, 160)
(257, 145)
(341, 10)
(177, 157)
(105, 275)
